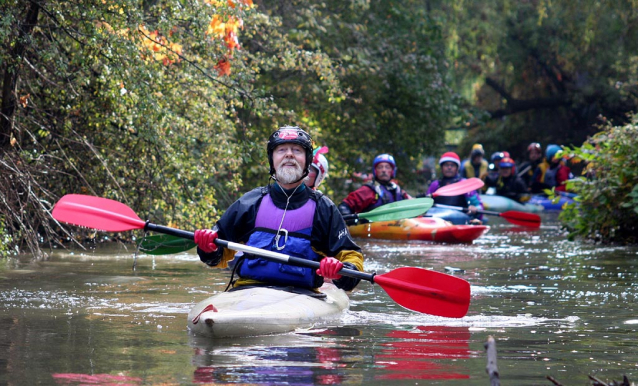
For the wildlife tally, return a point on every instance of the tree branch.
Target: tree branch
(519, 105)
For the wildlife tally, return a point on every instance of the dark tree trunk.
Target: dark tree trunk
(11, 74)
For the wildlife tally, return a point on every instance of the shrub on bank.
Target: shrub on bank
(607, 204)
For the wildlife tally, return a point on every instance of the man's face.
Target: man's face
(289, 160)
(383, 171)
(449, 169)
(312, 177)
(534, 155)
(505, 172)
(477, 159)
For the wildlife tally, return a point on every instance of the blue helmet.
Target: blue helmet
(551, 151)
(384, 158)
(497, 157)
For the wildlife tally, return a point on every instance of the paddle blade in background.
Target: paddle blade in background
(165, 245)
(461, 187)
(399, 210)
(522, 218)
(427, 291)
(97, 213)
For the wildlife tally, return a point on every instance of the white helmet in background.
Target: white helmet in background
(320, 163)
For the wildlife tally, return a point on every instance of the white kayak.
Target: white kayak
(263, 311)
(504, 204)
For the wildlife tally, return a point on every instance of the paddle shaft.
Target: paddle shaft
(270, 255)
(518, 218)
(489, 212)
(520, 174)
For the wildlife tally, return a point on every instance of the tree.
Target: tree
(388, 59)
(543, 71)
(149, 103)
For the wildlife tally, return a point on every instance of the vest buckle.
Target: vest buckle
(276, 242)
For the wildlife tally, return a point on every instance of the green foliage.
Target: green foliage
(607, 202)
(554, 67)
(129, 100)
(388, 58)
(5, 239)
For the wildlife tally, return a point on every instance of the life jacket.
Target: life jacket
(506, 186)
(384, 194)
(470, 171)
(293, 240)
(460, 200)
(550, 175)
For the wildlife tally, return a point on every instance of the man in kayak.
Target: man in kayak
(557, 173)
(449, 163)
(475, 166)
(286, 217)
(533, 171)
(318, 169)
(508, 184)
(492, 173)
(382, 190)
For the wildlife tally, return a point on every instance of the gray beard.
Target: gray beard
(289, 175)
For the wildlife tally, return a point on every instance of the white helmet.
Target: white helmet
(320, 163)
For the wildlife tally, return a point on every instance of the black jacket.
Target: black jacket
(329, 234)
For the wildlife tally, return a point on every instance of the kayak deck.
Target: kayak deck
(263, 311)
(420, 228)
(504, 204)
(549, 204)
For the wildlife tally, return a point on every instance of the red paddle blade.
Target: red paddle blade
(96, 212)
(461, 187)
(522, 218)
(427, 291)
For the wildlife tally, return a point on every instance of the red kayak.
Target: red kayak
(420, 228)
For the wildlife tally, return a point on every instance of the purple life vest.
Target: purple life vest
(384, 195)
(293, 239)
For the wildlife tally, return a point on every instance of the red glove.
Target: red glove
(205, 240)
(329, 268)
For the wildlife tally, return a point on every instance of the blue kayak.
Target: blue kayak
(456, 217)
(542, 200)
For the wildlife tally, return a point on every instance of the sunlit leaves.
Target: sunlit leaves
(608, 203)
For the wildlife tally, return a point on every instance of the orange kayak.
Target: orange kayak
(419, 228)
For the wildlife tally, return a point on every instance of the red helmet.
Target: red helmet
(535, 145)
(320, 163)
(450, 156)
(507, 162)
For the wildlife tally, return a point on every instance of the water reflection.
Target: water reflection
(325, 357)
(428, 352)
(294, 359)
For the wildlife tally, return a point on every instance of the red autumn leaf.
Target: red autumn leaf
(223, 67)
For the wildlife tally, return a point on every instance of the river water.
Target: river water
(555, 308)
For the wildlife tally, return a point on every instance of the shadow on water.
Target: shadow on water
(558, 308)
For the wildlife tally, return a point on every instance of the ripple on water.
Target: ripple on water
(475, 321)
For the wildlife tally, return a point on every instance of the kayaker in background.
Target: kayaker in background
(492, 173)
(318, 169)
(533, 170)
(475, 166)
(382, 190)
(558, 172)
(286, 217)
(450, 163)
(508, 184)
